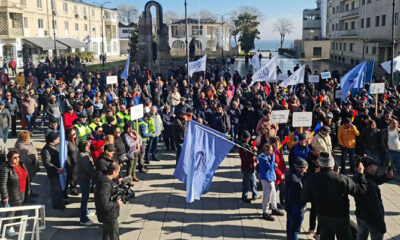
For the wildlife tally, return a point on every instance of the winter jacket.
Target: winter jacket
(347, 136)
(107, 210)
(384, 138)
(85, 166)
(5, 118)
(371, 140)
(120, 146)
(51, 160)
(328, 191)
(321, 143)
(12, 106)
(281, 169)
(131, 145)
(102, 164)
(73, 153)
(29, 156)
(267, 167)
(248, 120)
(53, 110)
(173, 99)
(28, 107)
(294, 204)
(298, 151)
(247, 159)
(369, 206)
(179, 127)
(9, 184)
(221, 122)
(96, 149)
(69, 119)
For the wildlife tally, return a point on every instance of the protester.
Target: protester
(5, 121)
(347, 139)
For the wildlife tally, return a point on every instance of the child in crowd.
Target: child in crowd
(267, 174)
(280, 171)
(248, 168)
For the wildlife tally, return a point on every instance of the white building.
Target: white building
(125, 30)
(206, 35)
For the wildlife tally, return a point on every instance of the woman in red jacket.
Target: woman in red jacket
(13, 66)
(69, 117)
(280, 171)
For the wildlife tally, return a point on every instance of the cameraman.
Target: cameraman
(108, 210)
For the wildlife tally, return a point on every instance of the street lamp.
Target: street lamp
(132, 11)
(222, 34)
(393, 42)
(101, 5)
(54, 33)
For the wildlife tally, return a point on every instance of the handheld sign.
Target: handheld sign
(112, 80)
(313, 79)
(338, 94)
(326, 75)
(280, 116)
(377, 88)
(137, 112)
(302, 119)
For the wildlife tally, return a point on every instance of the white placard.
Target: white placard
(302, 119)
(338, 94)
(280, 116)
(112, 80)
(326, 75)
(377, 88)
(313, 78)
(137, 112)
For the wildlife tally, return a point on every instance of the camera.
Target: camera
(124, 192)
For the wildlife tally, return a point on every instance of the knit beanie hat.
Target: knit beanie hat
(326, 160)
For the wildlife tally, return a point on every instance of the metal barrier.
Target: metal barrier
(38, 219)
(21, 225)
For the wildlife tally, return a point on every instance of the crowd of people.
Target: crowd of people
(104, 144)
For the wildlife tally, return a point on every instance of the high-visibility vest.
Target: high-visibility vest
(104, 120)
(122, 118)
(83, 131)
(147, 128)
(151, 126)
(93, 125)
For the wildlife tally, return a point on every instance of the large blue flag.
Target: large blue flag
(124, 74)
(370, 71)
(353, 79)
(202, 152)
(63, 156)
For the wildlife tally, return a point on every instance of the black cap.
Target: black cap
(326, 128)
(109, 148)
(246, 134)
(347, 120)
(51, 137)
(69, 108)
(302, 136)
(368, 161)
(82, 115)
(53, 120)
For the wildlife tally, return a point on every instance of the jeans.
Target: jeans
(351, 152)
(331, 227)
(30, 122)
(269, 195)
(394, 158)
(365, 229)
(282, 132)
(234, 132)
(178, 147)
(293, 226)
(85, 190)
(281, 188)
(44, 117)
(56, 193)
(151, 148)
(111, 230)
(5, 131)
(249, 183)
(141, 157)
(154, 147)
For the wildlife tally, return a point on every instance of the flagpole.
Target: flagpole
(393, 42)
(187, 42)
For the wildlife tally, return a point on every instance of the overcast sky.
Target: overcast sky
(272, 10)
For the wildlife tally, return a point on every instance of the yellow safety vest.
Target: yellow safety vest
(83, 132)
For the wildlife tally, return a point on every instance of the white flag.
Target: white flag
(267, 73)
(396, 65)
(255, 62)
(294, 79)
(197, 66)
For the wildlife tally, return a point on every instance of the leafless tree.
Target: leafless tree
(168, 16)
(284, 27)
(204, 14)
(127, 13)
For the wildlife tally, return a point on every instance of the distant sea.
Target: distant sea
(272, 45)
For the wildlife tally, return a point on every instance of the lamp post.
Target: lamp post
(222, 34)
(393, 41)
(101, 5)
(54, 33)
(187, 41)
(130, 31)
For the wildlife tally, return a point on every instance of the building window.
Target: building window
(333, 27)
(344, 47)
(40, 23)
(346, 26)
(333, 10)
(65, 7)
(25, 22)
(75, 9)
(362, 23)
(53, 5)
(351, 61)
(93, 12)
(340, 46)
(76, 27)
(353, 25)
(352, 45)
(374, 50)
(369, 1)
(333, 46)
(39, 4)
(196, 31)
(353, 5)
(363, 2)
(377, 20)
(54, 24)
(178, 31)
(347, 7)
(343, 59)
(366, 49)
(317, 52)
(368, 22)
(85, 27)
(66, 25)
(383, 20)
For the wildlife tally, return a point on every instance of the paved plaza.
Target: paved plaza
(161, 212)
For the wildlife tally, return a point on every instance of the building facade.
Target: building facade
(124, 34)
(28, 28)
(362, 30)
(206, 36)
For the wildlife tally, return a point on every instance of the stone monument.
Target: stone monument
(144, 55)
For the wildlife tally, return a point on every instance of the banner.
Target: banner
(396, 65)
(197, 66)
(294, 79)
(302, 119)
(255, 62)
(267, 73)
(280, 116)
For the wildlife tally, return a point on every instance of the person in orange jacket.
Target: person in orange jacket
(347, 139)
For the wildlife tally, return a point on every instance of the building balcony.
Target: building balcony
(110, 20)
(354, 13)
(348, 33)
(12, 33)
(15, 4)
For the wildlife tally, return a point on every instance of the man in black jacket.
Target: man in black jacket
(107, 207)
(329, 192)
(369, 208)
(105, 160)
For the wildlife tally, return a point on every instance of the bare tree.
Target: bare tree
(168, 16)
(127, 13)
(204, 14)
(284, 27)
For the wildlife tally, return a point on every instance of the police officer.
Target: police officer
(96, 121)
(123, 116)
(81, 127)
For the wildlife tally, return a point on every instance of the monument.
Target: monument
(144, 55)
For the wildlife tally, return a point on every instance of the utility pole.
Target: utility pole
(393, 42)
(54, 33)
(222, 34)
(101, 5)
(187, 41)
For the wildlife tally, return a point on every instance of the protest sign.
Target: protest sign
(302, 119)
(377, 88)
(137, 112)
(326, 75)
(280, 116)
(112, 80)
(313, 79)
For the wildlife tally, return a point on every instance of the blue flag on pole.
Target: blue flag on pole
(370, 71)
(353, 79)
(63, 156)
(124, 74)
(202, 152)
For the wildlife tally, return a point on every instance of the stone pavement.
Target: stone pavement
(160, 211)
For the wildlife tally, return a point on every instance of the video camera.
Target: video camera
(125, 193)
